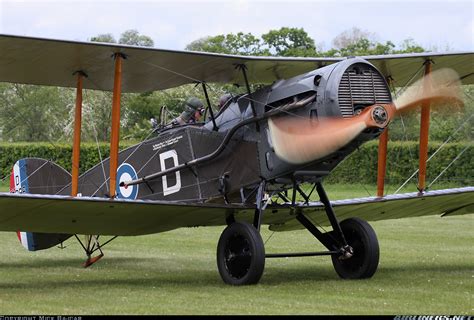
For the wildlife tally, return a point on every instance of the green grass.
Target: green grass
(426, 267)
(4, 186)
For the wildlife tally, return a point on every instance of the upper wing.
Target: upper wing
(53, 62)
(402, 67)
(64, 214)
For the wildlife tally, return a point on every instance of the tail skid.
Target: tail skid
(92, 245)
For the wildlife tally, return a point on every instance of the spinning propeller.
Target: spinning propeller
(303, 140)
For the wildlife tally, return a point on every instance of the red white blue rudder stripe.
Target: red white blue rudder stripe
(19, 178)
(27, 240)
(19, 184)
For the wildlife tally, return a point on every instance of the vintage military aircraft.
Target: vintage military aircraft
(243, 167)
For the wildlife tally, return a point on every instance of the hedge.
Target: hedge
(360, 167)
(402, 161)
(60, 153)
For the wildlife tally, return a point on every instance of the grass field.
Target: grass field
(426, 267)
(4, 185)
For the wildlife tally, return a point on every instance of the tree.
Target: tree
(240, 43)
(209, 44)
(365, 47)
(134, 38)
(245, 44)
(283, 42)
(351, 37)
(409, 45)
(355, 42)
(130, 37)
(34, 113)
(105, 37)
(289, 42)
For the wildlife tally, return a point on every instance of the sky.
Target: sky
(440, 25)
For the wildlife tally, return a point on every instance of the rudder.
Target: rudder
(39, 176)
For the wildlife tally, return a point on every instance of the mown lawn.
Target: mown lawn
(426, 267)
(4, 185)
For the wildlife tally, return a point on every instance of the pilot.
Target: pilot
(193, 111)
(153, 122)
(223, 100)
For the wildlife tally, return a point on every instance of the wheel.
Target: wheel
(365, 259)
(240, 254)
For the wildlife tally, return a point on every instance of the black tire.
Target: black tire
(240, 254)
(363, 240)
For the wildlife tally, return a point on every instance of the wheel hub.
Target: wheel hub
(346, 252)
(238, 256)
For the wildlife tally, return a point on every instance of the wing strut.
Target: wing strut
(76, 148)
(382, 155)
(424, 129)
(243, 67)
(115, 133)
(214, 125)
(382, 162)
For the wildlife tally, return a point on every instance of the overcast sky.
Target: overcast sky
(174, 24)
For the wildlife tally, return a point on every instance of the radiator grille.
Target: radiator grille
(361, 85)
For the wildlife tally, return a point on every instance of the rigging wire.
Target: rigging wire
(397, 93)
(437, 150)
(406, 135)
(28, 121)
(449, 165)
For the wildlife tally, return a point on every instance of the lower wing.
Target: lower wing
(438, 202)
(64, 214)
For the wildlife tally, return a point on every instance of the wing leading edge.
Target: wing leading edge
(64, 214)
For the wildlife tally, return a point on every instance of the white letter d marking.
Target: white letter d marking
(172, 189)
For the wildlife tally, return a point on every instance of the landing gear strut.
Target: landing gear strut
(353, 244)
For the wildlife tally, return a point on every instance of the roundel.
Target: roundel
(126, 172)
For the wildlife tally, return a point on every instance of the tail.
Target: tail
(39, 176)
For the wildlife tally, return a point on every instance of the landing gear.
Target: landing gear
(240, 254)
(365, 251)
(352, 244)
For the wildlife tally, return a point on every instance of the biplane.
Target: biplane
(241, 168)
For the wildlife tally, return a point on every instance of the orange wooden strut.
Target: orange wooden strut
(115, 132)
(382, 162)
(382, 156)
(424, 130)
(76, 147)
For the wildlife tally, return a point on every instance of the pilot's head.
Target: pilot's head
(223, 100)
(193, 110)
